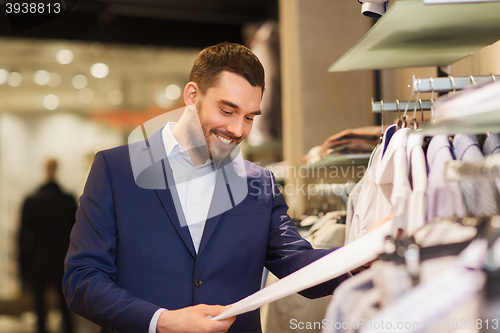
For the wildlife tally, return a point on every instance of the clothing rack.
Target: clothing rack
(382, 106)
(330, 197)
(450, 83)
(487, 168)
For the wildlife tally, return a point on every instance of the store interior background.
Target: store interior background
(149, 46)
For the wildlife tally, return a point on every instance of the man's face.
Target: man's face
(226, 113)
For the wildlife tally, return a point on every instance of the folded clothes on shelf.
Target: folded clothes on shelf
(359, 140)
(351, 146)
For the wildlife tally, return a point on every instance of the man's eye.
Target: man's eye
(249, 118)
(224, 111)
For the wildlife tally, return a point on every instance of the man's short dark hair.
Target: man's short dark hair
(231, 57)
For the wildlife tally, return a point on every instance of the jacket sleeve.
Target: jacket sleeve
(90, 271)
(288, 251)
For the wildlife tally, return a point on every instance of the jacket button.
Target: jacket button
(198, 282)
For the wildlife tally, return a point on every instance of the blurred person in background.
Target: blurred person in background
(47, 218)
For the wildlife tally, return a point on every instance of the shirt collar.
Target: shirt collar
(173, 147)
(169, 140)
(462, 143)
(491, 144)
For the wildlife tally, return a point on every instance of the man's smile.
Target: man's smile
(223, 139)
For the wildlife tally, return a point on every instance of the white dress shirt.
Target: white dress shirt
(195, 187)
(195, 184)
(417, 202)
(392, 171)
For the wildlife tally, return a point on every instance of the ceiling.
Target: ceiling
(147, 45)
(193, 23)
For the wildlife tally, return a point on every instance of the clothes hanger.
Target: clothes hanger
(382, 133)
(452, 81)
(386, 135)
(472, 80)
(428, 139)
(402, 123)
(418, 124)
(399, 110)
(413, 123)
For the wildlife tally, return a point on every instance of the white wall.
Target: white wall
(316, 103)
(25, 143)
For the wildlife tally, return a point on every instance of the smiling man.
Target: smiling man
(225, 112)
(168, 233)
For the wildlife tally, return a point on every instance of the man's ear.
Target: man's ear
(191, 90)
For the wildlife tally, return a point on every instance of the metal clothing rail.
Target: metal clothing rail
(382, 106)
(450, 83)
(487, 168)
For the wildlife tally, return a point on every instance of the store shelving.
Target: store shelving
(413, 34)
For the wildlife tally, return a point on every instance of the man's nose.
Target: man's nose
(236, 127)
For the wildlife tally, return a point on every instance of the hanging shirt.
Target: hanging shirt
(444, 197)
(372, 202)
(352, 202)
(492, 144)
(418, 172)
(451, 289)
(393, 171)
(348, 297)
(479, 194)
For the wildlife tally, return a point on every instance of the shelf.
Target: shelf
(272, 146)
(343, 160)
(476, 110)
(412, 34)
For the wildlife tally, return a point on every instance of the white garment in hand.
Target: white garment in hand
(329, 267)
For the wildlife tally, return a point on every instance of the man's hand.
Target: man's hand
(194, 319)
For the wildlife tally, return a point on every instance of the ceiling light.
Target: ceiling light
(15, 79)
(115, 97)
(79, 81)
(173, 92)
(86, 95)
(163, 101)
(64, 57)
(4, 75)
(51, 102)
(99, 70)
(55, 80)
(41, 77)
(111, 85)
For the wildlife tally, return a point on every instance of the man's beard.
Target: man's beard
(215, 150)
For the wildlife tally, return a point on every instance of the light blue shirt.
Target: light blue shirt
(195, 187)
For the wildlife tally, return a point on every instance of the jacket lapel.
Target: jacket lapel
(230, 189)
(160, 174)
(221, 202)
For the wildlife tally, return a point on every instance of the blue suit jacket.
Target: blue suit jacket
(129, 254)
